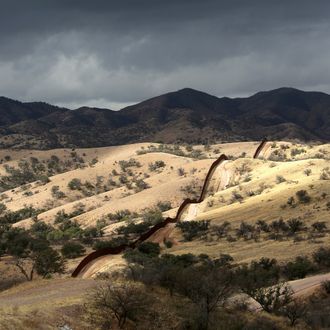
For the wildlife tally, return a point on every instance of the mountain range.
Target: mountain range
(184, 116)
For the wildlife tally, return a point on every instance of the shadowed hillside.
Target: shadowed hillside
(186, 115)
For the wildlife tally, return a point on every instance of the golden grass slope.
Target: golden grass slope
(254, 179)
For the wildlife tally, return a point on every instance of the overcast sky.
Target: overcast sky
(108, 53)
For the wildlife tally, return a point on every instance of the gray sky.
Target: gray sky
(112, 53)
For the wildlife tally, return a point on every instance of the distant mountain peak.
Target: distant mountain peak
(186, 116)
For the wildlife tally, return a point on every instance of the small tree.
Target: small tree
(150, 248)
(273, 299)
(322, 257)
(298, 268)
(48, 262)
(303, 196)
(208, 287)
(123, 301)
(75, 184)
(72, 250)
(294, 311)
(30, 255)
(295, 225)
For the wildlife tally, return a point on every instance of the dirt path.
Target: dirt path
(46, 293)
(54, 293)
(302, 287)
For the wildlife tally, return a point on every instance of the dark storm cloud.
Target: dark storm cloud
(109, 53)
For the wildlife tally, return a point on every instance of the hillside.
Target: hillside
(184, 116)
(113, 194)
(139, 176)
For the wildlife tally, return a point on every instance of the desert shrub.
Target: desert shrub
(56, 193)
(156, 165)
(140, 185)
(121, 215)
(30, 254)
(21, 214)
(278, 228)
(44, 179)
(193, 229)
(303, 196)
(123, 179)
(295, 225)
(92, 232)
(307, 171)
(75, 184)
(262, 273)
(40, 229)
(294, 310)
(168, 243)
(181, 171)
(319, 226)
(297, 151)
(125, 301)
(93, 161)
(152, 216)
(164, 205)
(273, 299)
(280, 179)
(326, 286)
(221, 230)
(291, 201)
(197, 154)
(72, 250)
(322, 256)
(245, 230)
(133, 228)
(71, 229)
(61, 216)
(263, 226)
(112, 243)
(298, 268)
(150, 248)
(277, 155)
(132, 162)
(236, 197)
(189, 148)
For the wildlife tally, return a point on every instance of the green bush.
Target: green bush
(322, 256)
(193, 229)
(156, 165)
(114, 242)
(72, 250)
(150, 248)
(298, 268)
(303, 196)
(21, 214)
(164, 206)
(75, 184)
